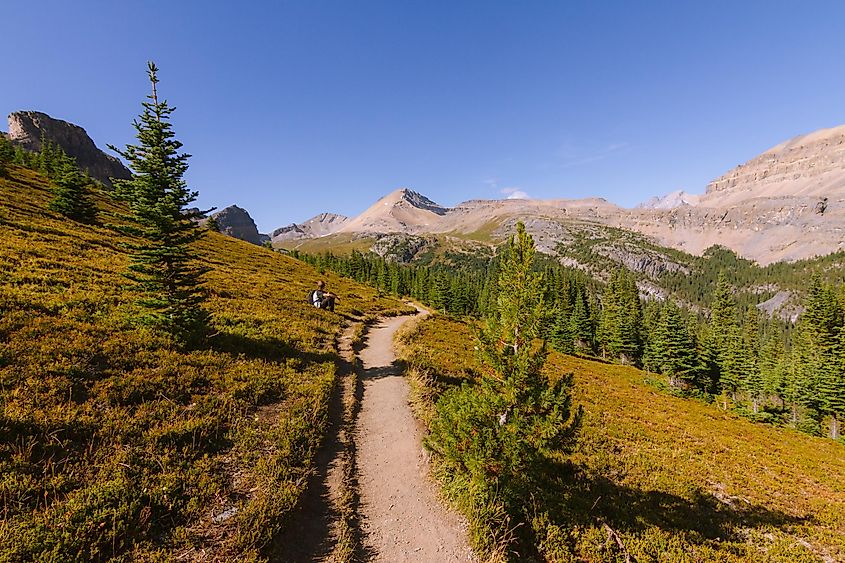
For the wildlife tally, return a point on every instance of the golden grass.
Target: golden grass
(339, 244)
(674, 479)
(115, 444)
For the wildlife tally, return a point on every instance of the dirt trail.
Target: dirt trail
(402, 518)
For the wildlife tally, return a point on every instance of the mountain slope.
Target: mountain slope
(674, 479)
(811, 165)
(115, 444)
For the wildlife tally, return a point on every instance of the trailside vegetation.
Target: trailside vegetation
(652, 477)
(163, 266)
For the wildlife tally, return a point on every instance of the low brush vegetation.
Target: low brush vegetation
(116, 444)
(652, 477)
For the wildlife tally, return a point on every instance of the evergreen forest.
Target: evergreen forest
(708, 340)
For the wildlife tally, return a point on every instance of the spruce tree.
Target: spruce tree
(71, 189)
(752, 379)
(726, 338)
(501, 432)
(672, 348)
(621, 319)
(581, 324)
(163, 266)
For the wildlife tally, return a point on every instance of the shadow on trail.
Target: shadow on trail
(381, 372)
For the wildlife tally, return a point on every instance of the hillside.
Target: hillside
(671, 479)
(115, 444)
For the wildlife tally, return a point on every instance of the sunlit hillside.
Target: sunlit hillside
(656, 477)
(115, 444)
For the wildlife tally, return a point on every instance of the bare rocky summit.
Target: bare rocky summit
(811, 165)
(236, 222)
(670, 200)
(317, 226)
(27, 128)
(786, 204)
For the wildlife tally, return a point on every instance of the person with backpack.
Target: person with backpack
(321, 298)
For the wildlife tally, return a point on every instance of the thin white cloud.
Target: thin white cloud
(568, 157)
(515, 193)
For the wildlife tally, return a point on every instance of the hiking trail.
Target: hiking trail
(402, 518)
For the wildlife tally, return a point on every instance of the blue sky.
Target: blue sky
(294, 108)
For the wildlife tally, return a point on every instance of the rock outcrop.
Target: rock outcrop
(236, 222)
(26, 129)
(399, 247)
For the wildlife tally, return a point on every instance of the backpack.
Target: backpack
(311, 297)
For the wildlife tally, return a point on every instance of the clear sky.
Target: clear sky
(294, 108)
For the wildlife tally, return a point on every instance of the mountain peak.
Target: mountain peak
(414, 199)
(670, 200)
(27, 128)
(401, 211)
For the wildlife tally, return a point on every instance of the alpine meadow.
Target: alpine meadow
(440, 282)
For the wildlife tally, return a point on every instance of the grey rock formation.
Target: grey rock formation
(318, 226)
(400, 247)
(670, 201)
(26, 128)
(236, 222)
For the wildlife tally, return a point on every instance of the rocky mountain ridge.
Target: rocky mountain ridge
(401, 211)
(317, 226)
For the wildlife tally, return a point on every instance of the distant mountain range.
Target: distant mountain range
(786, 204)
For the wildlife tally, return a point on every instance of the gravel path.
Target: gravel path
(402, 518)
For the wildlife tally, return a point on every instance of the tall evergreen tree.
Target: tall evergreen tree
(7, 154)
(163, 266)
(621, 319)
(672, 349)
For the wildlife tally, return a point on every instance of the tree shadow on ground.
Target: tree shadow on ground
(705, 515)
(268, 349)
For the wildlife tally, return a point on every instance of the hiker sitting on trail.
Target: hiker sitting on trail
(321, 298)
